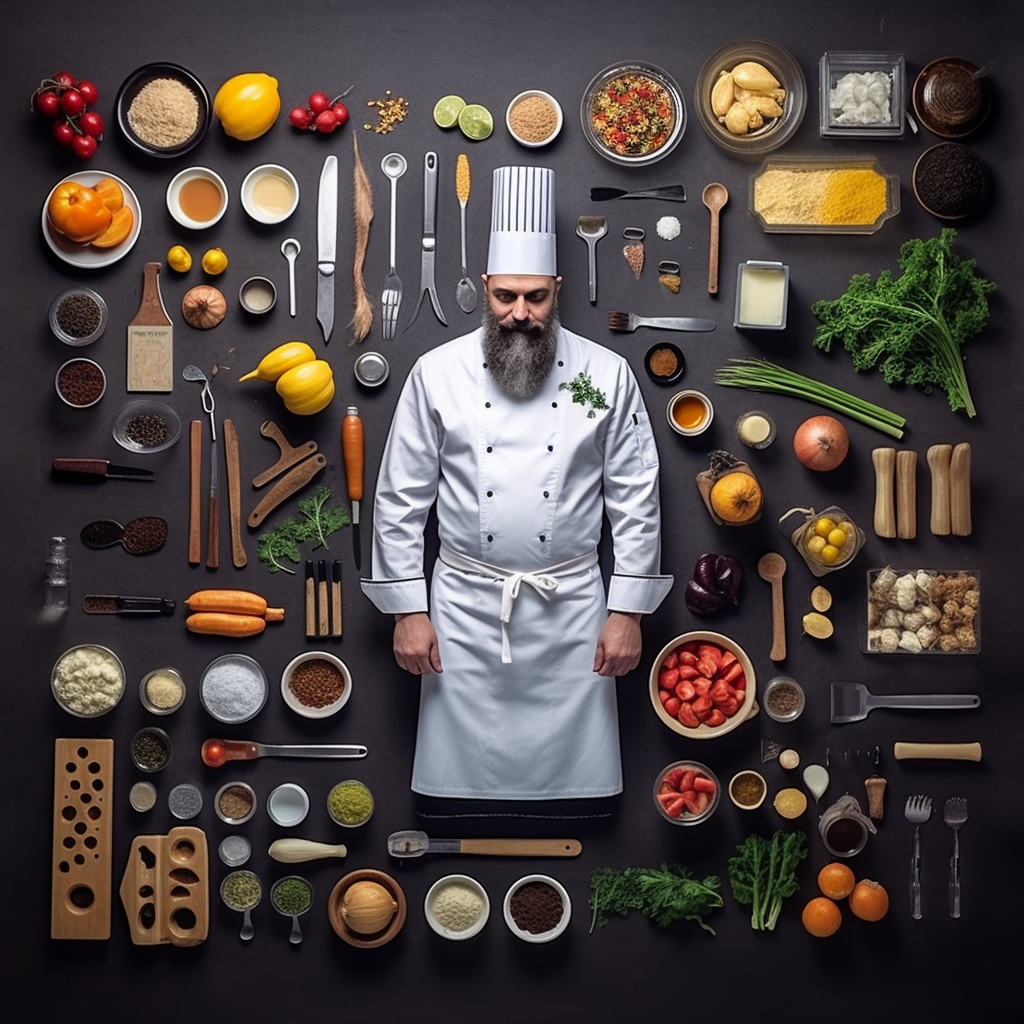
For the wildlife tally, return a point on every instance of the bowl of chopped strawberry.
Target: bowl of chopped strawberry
(686, 793)
(702, 685)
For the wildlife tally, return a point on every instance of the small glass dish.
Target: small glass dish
(220, 675)
(235, 802)
(787, 196)
(543, 109)
(146, 419)
(288, 804)
(87, 680)
(861, 95)
(827, 540)
(457, 930)
(350, 803)
(162, 691)
(234, 850)
(783, 699)
(151, 749)
(755, 429)
(139, 79)
(675, 804)
(539, 885)
(80, 383)
(82, 325)
(598, 123)
(775, 131)
(950, 98)
(762, 296)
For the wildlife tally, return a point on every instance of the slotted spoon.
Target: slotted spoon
(917, 812)
(955, 815)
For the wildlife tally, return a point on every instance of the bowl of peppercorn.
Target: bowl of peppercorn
(78, 316)
(537, 908)
(316, 684)
(146, 426)
(80, 383)
(950, 181)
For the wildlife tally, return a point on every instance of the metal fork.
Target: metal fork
(394, 166)
(917, 812)
(954, 815)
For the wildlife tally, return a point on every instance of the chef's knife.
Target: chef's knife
(100, 468)
(352, 449)
(327, 243)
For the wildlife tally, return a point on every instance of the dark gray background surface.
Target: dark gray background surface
(934, 969)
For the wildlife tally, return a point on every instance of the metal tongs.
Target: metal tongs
(415, 844)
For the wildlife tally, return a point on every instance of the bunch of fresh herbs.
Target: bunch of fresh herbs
(912, 328)
(584, 393)
(666, 894)
(763, 873)
(315, 521)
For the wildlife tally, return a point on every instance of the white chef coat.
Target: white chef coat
(522, 485)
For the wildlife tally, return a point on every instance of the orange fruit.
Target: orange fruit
(836, 881)
(869, 901)
(821, 917)
(121, 223)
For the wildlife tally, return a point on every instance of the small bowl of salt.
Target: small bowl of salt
(457, 907)
(233, 688)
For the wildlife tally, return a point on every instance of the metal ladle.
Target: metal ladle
(290, 248)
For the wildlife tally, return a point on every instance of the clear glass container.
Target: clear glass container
(58, 574)
(862, 95)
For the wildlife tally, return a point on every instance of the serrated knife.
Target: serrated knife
(327, 244)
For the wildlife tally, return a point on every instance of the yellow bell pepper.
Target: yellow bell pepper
(247, 105)
(280, 360)
(77, 212)
(307, 388)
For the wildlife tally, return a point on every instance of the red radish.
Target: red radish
(821, 443)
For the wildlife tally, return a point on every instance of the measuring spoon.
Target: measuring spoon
(714, 196)
(255, 890)
(296, 934)
(290, 248)
(218, 752)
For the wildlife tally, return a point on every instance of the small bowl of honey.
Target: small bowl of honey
(690, 412)
(197, 197)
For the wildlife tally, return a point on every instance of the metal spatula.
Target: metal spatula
(852, 702)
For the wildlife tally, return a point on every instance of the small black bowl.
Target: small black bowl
(653, 357)
(133, 85)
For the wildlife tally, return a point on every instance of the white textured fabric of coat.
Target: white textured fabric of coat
(520, 487)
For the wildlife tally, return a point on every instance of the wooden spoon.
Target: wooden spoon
(715, 196)
(771, 568)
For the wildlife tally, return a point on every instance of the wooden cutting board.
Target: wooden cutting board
(150, 339)
(166, 888)
(83, 815)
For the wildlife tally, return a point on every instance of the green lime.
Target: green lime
(476, 122)
(447, 110)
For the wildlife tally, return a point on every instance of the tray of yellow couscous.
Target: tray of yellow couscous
(826, 196)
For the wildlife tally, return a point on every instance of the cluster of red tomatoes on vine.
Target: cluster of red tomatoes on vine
(66, 101)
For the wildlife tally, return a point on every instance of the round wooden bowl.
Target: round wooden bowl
(385, 935)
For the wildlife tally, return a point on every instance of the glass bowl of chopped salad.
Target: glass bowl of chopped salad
(633, 113)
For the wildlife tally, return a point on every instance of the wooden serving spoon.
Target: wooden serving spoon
(714, 196)
(771, 568)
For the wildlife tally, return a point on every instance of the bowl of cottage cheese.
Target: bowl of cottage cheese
(87, 680)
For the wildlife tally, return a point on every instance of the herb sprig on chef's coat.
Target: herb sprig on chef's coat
(584, 393)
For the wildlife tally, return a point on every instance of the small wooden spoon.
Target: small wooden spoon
(771, 568)
(715, 196)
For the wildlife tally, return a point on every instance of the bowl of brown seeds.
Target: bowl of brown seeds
(163, 109)
(146, 426)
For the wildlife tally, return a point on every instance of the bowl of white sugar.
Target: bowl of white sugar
(233, 688)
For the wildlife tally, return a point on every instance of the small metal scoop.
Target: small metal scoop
(415, 844)
(290, 248)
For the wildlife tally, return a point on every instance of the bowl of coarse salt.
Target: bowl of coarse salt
(233, 688)
(457, 907)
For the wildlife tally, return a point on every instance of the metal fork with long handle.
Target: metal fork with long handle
(917, 812)
(394, 166)
(955, 815)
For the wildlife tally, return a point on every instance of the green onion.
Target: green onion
(763, 375)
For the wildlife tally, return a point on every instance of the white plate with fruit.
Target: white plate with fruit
(89, 255)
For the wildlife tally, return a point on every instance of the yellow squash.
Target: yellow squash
(247, 105)
(281, 359)
(307, 388)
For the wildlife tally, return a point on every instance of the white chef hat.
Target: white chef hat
(523, 222)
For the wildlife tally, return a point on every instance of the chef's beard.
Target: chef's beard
(520, 359)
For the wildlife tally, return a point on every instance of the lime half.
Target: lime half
(476, 122)
(447, 110)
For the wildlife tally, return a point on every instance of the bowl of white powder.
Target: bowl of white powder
(457, 907)
(233, 688)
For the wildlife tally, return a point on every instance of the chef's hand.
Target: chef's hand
(619, 645)
(415, 644)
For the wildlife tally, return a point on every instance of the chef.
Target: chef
(526, 437)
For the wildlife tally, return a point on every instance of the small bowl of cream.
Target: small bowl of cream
(270, 193)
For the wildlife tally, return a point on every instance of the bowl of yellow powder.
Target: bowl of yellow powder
(163, 109)
(823, 195)
(457, 907)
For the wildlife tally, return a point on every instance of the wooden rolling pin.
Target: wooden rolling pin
(937, 751)
(938, 457)
(960, 490)
(906, 494)
(884, 461)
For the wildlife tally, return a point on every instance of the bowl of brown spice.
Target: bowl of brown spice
(145, 426)
(163, 109)
(78, 316)
(316, 684)
(534, 118)
(664, 363)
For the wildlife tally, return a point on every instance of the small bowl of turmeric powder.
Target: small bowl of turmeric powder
(534, 118)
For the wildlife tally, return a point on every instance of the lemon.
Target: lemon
(815, 544)
(215, 261)
(824, 526)
(829, 554)
(837, 537)
(447, 110)
(179, 258)
(790, 802)
(476, 122)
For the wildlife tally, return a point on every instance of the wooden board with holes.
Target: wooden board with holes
(166, 888)
(83, 814)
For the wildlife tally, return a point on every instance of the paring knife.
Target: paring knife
(352, 449)
(327, 242)
(100, 468)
